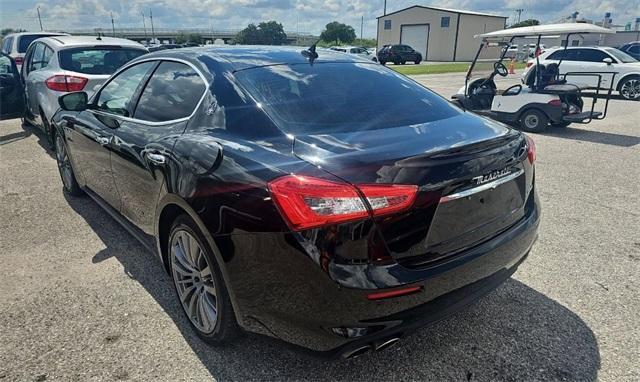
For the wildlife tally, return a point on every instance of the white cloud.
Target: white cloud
(304, 15)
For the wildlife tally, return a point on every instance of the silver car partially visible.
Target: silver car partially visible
(54, 66)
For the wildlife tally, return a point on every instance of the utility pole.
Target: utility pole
(144, 26)
(385, 8)
(113, 26)
(153, 32)
(519, 10)
(39, 18)
(361, 25)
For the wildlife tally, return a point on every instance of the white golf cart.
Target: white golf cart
(544, 98)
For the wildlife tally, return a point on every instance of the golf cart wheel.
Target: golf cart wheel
(534, 120)
(630, 88)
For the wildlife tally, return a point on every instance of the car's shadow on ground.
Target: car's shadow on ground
(27, 131)
(575, 133)
(515, 333)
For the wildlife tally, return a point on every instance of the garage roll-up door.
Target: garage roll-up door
(416, 36)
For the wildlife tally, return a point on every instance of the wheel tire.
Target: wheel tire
(402, 62)
(561, 124)
(534, 120)
(383, 63)
(417, 62)
(630, 88)
(68, 177)
(210, 296)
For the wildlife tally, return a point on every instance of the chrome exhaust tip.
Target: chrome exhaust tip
(385, 344)
(357, 352)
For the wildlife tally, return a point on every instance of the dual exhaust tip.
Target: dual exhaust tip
(375, 346)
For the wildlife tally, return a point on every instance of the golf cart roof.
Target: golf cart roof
(547, 30)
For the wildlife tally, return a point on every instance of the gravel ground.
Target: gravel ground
(81, 300)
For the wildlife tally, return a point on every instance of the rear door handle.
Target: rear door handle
(103, 140)
(156, 158)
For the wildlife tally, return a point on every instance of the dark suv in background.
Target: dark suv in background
(398, 54)
(632, 49)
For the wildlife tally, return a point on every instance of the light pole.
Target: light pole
(39, 19)
(385, 8)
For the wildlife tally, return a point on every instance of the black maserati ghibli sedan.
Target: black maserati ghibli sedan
(286, 195)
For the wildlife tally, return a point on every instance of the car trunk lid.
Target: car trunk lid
(443, 158)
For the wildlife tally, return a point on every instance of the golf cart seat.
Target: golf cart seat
(548, 77)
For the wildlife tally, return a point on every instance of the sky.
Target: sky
(307, 16)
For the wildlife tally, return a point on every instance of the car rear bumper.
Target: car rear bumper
(287, 292)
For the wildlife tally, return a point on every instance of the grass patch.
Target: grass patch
(456, 67)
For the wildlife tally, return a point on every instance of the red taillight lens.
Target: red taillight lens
(19, 60)
(555, 102)
(529, 64)
(308, 202)
(531, 149)
(64, 83)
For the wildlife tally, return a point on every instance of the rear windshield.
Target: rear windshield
(341, 97)
(97, 60)
(25, 40)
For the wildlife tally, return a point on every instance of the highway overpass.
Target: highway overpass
(168, 35)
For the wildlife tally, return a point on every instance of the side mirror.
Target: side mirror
(608, 61)
(73, 101)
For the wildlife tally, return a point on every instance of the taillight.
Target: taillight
(65, 83)
(555, 102)
(531, 149)
(19, 60)
(308, 202)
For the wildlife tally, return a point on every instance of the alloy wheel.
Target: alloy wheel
(194, 281)
(64, 164)
(631, 89)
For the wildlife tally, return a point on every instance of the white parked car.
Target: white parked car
(357, 50)
(15, 44)
(56, 65)
(596, 59)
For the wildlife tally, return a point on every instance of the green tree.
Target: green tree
(6, 31)
(181, 38)
(525, 23)
(195, 38)
(338, 32)
(266, 33)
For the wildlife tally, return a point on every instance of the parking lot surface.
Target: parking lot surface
(80, 299)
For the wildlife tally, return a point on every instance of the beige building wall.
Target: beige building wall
(441, 40)
(471, 25)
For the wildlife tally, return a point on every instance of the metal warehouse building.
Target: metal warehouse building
(440, 34)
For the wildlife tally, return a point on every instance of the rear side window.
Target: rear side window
(117, 96)
(96, 60)
(341, 97)
(173, 92)
(36, 57)
(568, 55)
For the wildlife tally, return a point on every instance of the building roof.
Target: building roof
(445, 10)
(548, 30)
